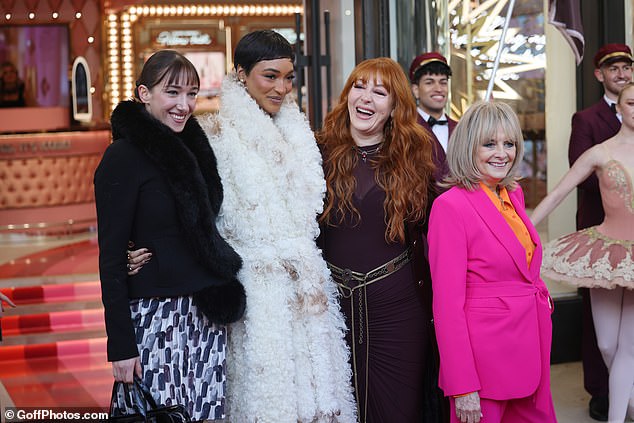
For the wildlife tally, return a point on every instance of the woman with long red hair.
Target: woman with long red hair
(378, 167)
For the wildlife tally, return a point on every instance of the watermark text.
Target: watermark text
(52, 414)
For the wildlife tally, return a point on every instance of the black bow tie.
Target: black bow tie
(613, 107)
(432, 121)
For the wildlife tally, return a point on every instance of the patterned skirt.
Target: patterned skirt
(182, 355)
(589, 259)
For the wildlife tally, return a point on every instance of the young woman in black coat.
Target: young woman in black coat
(166, 324)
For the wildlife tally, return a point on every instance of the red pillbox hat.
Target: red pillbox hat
(611, 53)
(422, 60)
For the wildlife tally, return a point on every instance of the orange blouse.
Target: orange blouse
(510, 215)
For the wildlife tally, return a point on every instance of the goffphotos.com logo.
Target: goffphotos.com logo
(12, 414)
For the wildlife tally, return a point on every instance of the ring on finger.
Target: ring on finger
(129, 266)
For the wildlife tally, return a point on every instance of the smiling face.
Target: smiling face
(614, 77)
(369, 106)
(269, 82)
(431, 92)
(495, 157)
(171, 103)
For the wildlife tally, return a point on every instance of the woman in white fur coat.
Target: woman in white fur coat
(287, 359)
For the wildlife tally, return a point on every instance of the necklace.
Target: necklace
(369, 152)
(497, 193)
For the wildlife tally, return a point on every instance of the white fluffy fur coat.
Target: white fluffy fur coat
(287, 359)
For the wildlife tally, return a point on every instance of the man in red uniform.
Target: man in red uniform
(591, 126)
(429, 74)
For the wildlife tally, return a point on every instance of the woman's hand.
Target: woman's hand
(124, 370)
(137, 258)
(468, 408)
(5, 299)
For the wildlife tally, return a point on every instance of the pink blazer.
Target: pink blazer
(491, 310)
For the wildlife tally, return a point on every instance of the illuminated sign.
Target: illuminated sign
(183, 38)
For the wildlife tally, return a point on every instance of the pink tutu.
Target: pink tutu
(587, 258)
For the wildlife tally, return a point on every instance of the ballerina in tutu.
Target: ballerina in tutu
(601, 257)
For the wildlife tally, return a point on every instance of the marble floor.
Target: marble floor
(571, 400)
(77, 374)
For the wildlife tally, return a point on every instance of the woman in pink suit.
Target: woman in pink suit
(491, 309)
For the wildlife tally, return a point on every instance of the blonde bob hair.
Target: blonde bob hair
(479, 124)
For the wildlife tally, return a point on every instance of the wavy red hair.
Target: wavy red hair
(404, 164)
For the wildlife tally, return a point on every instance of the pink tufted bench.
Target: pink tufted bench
(46, 180)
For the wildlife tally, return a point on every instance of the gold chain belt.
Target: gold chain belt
(359, 328)
(344, 276)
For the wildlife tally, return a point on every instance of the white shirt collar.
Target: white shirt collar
(426, 115)
(610, 103)
(440, 131)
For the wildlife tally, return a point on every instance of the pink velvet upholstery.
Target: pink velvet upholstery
(46, 180)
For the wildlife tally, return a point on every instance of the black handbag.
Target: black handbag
(133, 402)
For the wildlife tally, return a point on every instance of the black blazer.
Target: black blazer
(149, 188)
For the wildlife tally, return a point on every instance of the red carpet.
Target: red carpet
(50, 356)
(66, 374)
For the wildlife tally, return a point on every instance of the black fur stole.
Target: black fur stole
(189, 165)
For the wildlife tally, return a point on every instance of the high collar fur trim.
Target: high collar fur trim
(189, 165)
(271, 171)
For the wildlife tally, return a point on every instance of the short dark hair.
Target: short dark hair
(432, 68)
(168, 64)
(261, 45)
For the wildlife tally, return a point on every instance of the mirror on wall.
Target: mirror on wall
(82, 103)
(34, 62)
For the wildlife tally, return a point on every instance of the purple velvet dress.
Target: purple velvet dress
(388, 350)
